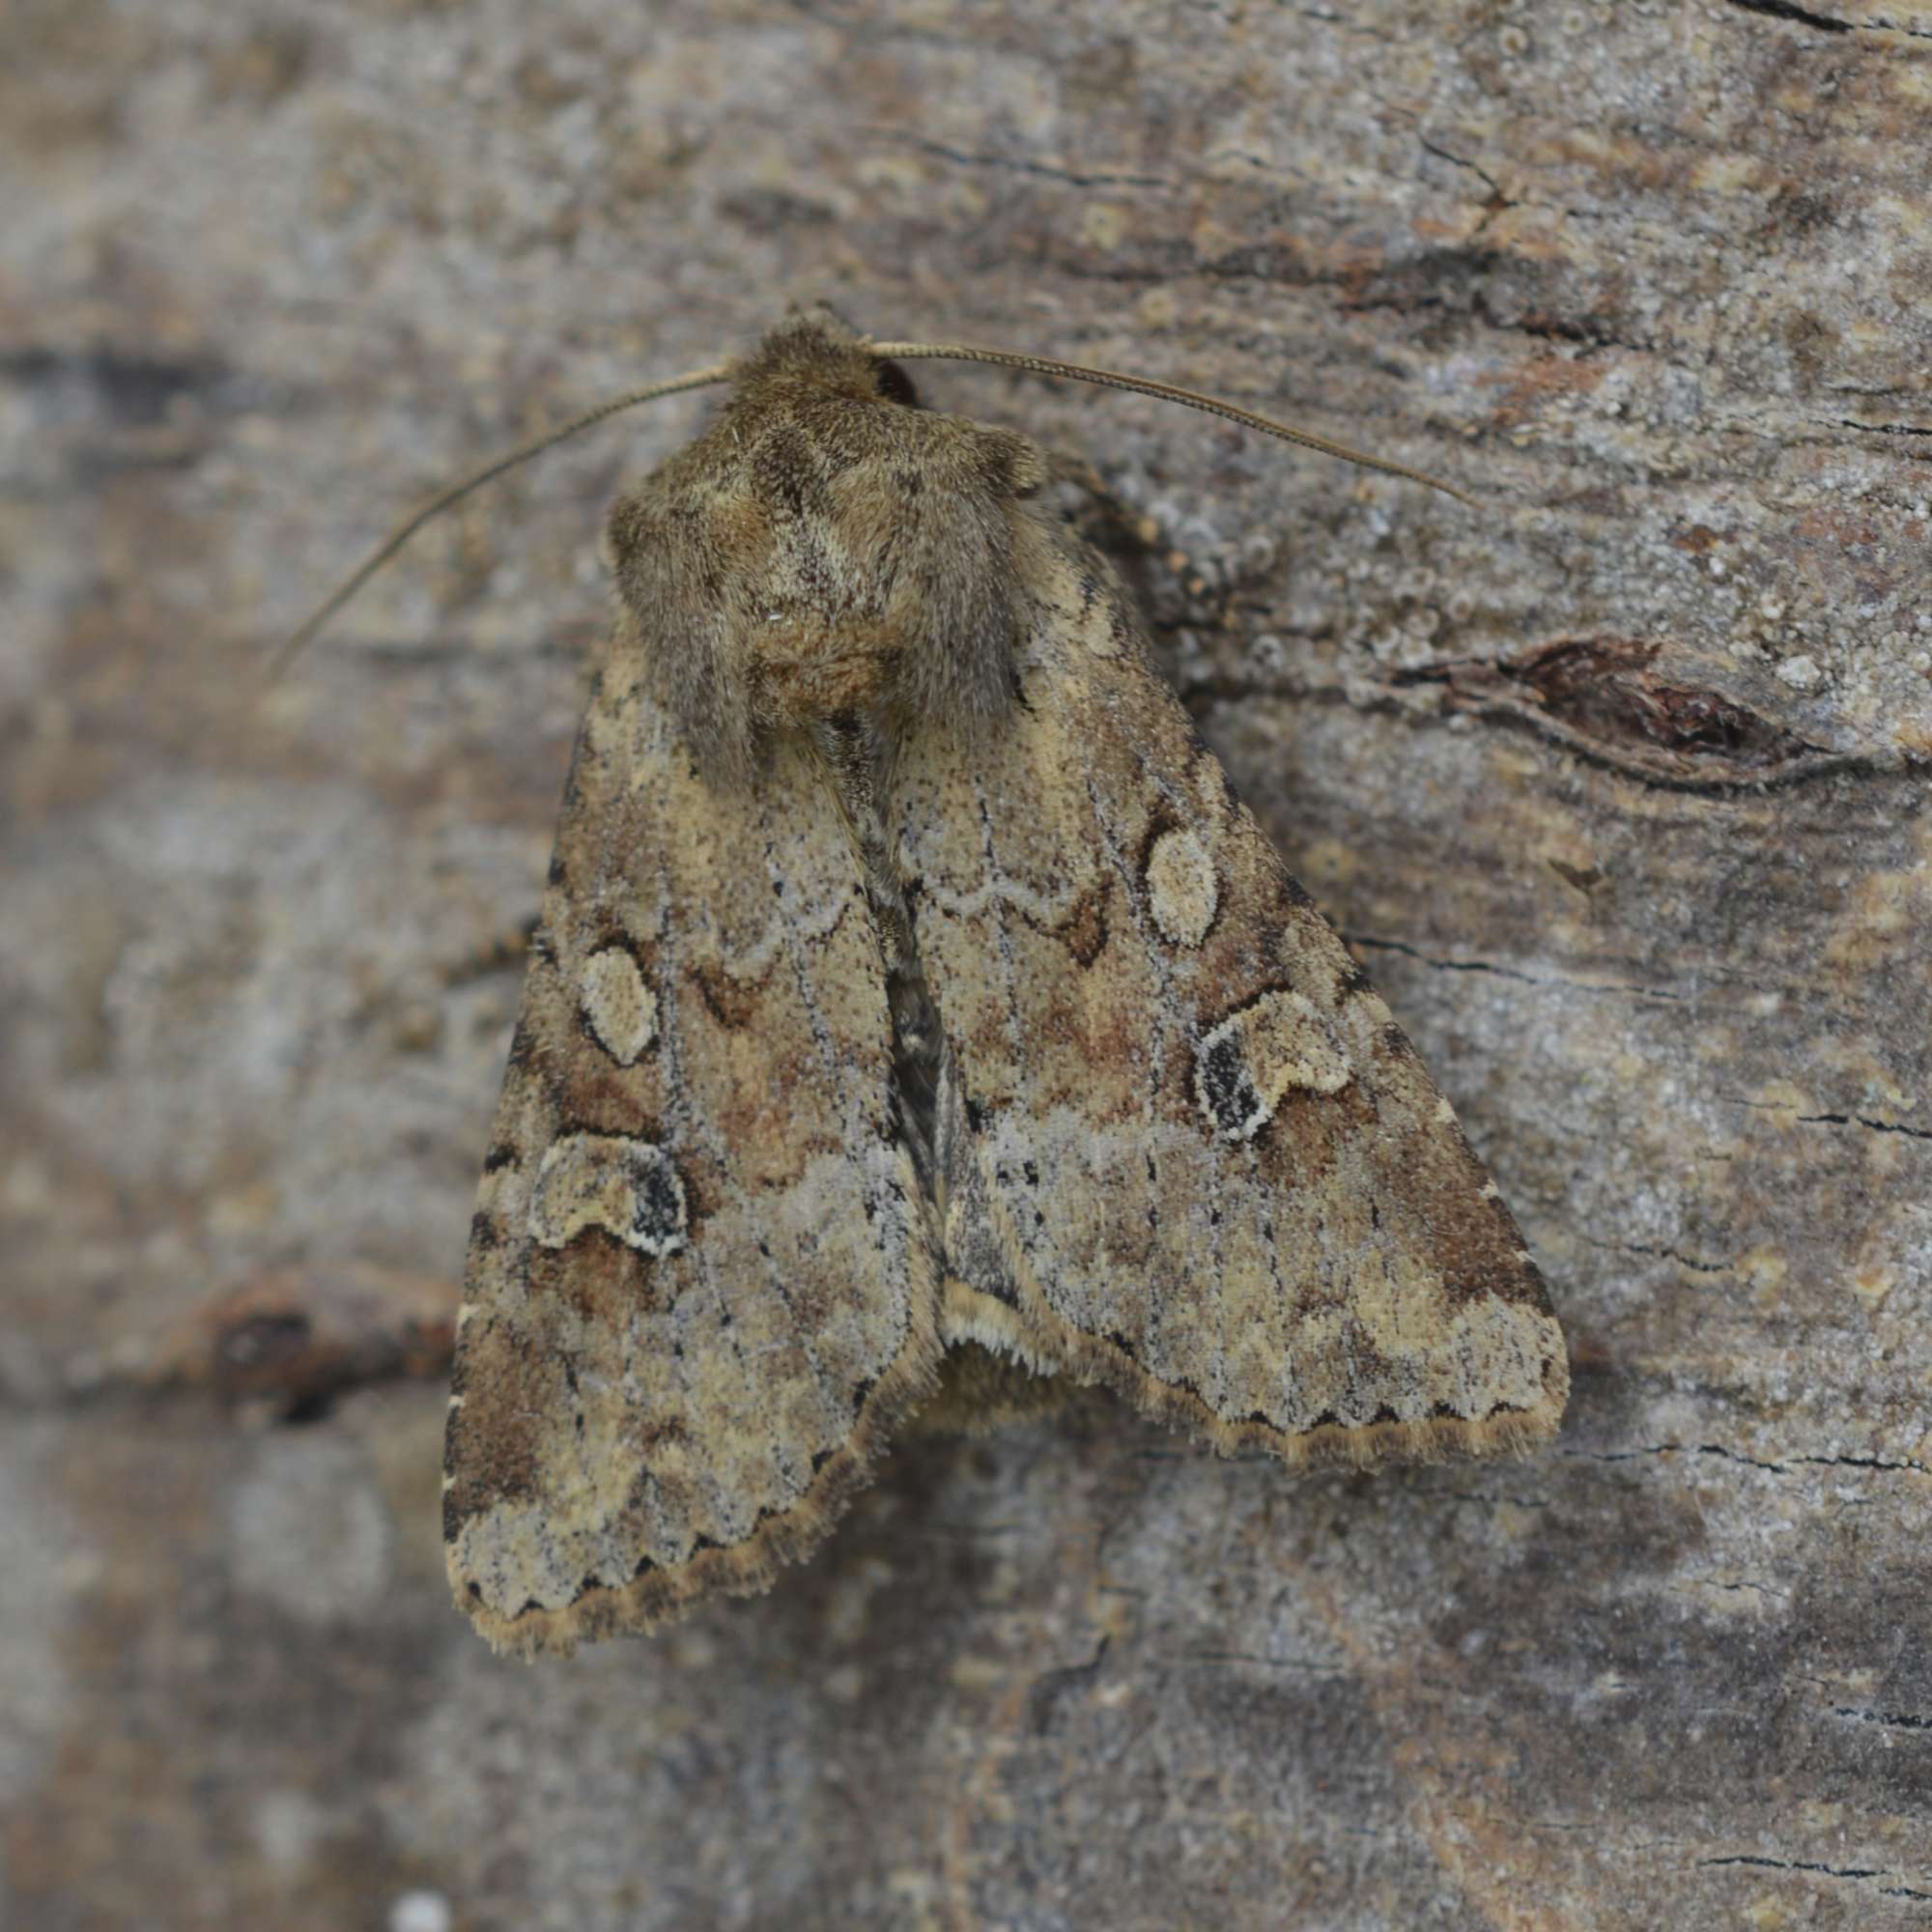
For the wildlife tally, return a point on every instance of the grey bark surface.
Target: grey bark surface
(1616, 785)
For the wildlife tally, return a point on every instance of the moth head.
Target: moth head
(816, 344)
(829, 547)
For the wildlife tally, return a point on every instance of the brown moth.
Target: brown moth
(916, 1009)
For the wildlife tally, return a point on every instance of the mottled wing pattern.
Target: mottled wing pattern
(1191, 1155)
(700, 1292)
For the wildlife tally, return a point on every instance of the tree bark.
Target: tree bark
(1616, 784)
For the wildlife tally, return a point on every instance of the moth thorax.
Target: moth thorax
(929, 630)
(803, 666)
(798, 567)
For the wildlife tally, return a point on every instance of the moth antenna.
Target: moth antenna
(1109, 379)
(698, 379)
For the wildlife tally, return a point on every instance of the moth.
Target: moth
(916, 1015)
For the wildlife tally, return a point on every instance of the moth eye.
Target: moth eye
(895, 386)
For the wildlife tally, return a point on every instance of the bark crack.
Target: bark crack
(1375, 945)
(1809, 1864)
(1666, 1254)
(1902, 1720)
(1878, 429)
(1785, 10)
(1864, 1120)
(1038, 170)
(1345, 21)
(1486, 689)
(1779, 1468)
(1825, 23)
(1497, 202)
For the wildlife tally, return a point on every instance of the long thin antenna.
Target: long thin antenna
(698, 379)
(1040, 365)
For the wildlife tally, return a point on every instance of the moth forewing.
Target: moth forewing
(1219, 1177)
(699, 1293)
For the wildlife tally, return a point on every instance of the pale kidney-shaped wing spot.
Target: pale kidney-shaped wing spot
(629, 1188)
(620, 1010)
(1183, 892)
(1244, 1067)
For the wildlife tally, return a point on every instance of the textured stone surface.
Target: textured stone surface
(1617, 786)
